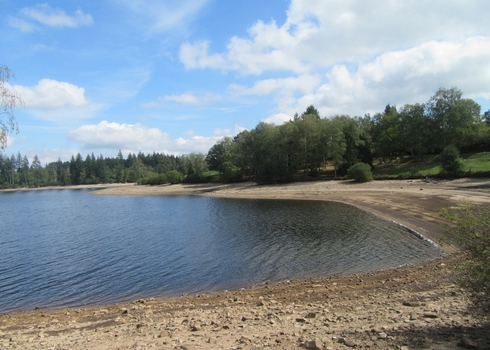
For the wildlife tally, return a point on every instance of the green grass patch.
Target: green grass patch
(406, 167)
(477, 162)
(210, 173)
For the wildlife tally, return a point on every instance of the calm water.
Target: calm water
(68, 248)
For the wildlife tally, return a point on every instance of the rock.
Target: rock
(430, 315)
(411, 303)
(300, 319)
(243, 340)
(413, 316)
(139, 345)
(382, 335)
(314, 344)
(349, 343)
(467, 343)
(310, 315)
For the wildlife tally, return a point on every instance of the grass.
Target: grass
(477, 162)
(409, 167)
(210, 173)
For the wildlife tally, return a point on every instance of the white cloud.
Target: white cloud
(400, 77)
(321, 34)
(49, 94)
(228, 132)
(165, 15)
(305, 83)
(187, 98)
(278, 119)
(196, 56)
(136, 137)
(22, 25)
(46, 15)
(115, 135)
(57, 101)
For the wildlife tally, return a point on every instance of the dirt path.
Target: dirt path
(415, 307)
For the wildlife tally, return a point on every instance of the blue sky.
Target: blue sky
(176, 76)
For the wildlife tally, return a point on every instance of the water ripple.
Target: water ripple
(67, 248)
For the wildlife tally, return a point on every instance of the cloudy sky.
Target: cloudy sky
(175, 76)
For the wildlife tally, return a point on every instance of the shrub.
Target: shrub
(195, 179)
(174, 177)
(471, 231)
(451, 160)
(360, 172)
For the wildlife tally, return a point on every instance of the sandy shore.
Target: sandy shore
(416, 307)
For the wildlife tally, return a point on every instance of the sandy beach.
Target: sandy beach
(414, 307)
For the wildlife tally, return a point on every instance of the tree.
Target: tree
(451, 161)
(312, 110)
(38, 172)
(361, 172)
(387, 131)
(415, 129)
(454, 119)
(9, 99)
(216, 155)
(336, 148)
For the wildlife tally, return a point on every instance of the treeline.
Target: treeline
(16, 170)
(299, 148)
(304, 145)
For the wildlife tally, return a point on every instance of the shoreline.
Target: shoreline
(404, 307)
(414, 204)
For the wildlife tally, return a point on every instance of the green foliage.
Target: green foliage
(451, 161)
(360, 172)
(174, 177)
(15, 171)
(454, 120)
(231, 172)
(471, 231)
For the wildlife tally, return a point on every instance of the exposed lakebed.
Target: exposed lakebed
(67, 248)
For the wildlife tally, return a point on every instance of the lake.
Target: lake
(64, 248)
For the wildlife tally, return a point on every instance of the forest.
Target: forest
(302, 147)
(298, 149)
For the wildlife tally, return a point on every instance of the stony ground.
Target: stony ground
(417, 307)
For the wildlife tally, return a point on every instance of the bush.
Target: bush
(471, 231)
(360, 172)
(174, 177)
(451, 160)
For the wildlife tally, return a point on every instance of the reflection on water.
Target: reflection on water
(67, 248)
